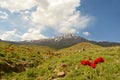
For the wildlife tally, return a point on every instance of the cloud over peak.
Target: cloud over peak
(32, 34)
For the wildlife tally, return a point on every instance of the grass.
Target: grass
(28, 62)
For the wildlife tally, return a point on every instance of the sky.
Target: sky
(37, 19)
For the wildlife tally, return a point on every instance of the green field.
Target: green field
(30, 62)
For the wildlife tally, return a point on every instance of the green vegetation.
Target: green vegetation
(30, 62)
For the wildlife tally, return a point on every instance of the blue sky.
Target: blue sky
(107, 19)
(93, 19)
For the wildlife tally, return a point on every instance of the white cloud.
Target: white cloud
(9, 35)
(32, 34)
(3, 15)
(26, 15)
(17, 5)
(86, 33)
(60, 15)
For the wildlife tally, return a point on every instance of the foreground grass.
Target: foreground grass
(43, 63)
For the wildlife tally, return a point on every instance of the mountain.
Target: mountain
(58, 42)
(65, 41)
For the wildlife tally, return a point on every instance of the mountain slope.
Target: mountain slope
(26, 62)
(80, 47)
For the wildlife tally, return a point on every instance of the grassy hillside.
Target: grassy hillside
(23, 62)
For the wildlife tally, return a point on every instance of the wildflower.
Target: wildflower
(101, 59)
(98, 60)
(85, 62)
(93, 65)
(64, 65)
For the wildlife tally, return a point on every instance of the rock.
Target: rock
(61, 74)
(56, 79)
(76, 67)
(56, 71)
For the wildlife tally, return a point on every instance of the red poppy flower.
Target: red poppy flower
(102, 59)
(93, 65)
(98, 60)
(89, 63)
(85, 62)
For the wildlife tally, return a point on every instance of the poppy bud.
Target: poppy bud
(64, 65)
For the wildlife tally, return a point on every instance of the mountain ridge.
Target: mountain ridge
(64, 41)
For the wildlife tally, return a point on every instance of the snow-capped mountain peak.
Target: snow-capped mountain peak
(65, 36)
